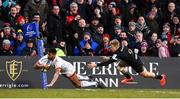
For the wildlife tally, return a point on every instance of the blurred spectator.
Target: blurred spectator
(20, 44)
(131, 14)
(124, 42)
(83, 10)
(171, 11)
(81, 29)
(87, 45)
(163, 50)
(131, 32)
(98, 35)
(8, 33)
(175, 25)
(18, 9)
(175, 48)
(142, 27)
(139, 39)
(54, 26)
(117, 31)
(30, 49)
(166, 35)
(61, 48)
(143, 49)
(6, 49)
(153, 50)
(42, 27)
(101, 12)
(12, 17)
(36, 6)
(103, 48)
(152, 23)
(20, 23)
(94, 24)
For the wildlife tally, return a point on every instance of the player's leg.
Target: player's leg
(148, 74)
(74, 79)
(82, 77)
(122, 68)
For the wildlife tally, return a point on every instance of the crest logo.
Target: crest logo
(13, 69)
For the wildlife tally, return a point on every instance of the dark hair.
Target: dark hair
(52, 50)
(37, 13)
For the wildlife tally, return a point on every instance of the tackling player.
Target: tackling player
(63, 67)
(126, 57)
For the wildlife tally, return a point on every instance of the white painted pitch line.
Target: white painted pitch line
(162, 92)
(155, 91)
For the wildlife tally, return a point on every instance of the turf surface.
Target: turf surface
(90, 93)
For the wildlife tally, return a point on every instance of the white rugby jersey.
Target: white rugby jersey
(66, 67)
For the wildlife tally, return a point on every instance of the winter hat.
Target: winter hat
(20, 19)
(117, 27)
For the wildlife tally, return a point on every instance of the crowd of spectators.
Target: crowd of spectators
(85, 27)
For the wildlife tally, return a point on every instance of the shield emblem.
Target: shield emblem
(13, 69)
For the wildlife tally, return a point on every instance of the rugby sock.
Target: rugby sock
(82, 77)
(88, 83)
(126, 75)
(158, 77)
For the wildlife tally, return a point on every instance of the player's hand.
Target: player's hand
(46, 66)
(91, 65)
(105, 57)
(49, 85)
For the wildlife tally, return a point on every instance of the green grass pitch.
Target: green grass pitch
(90, 93)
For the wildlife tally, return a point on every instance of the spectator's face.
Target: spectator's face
(154, 10)
(18, 8)
(141, 20)
(117, 31)
(117, 21)
(151, 16)
(7, 30)
(152, 1)
(143, 49)
(13, 10)
(74, 9)
(175, 20)
(123, 35)
(30, 44)
(56, 10)
(106, 40)
(132, 27)
(87, 37)
(124, 42)
(80, 1)
(7, 46)
(36, 18)
(20, 37)
(154, 37)
(99, 3)
(82, 23)
(100, 30)
(139, 37)
(178, 41)
(166, 28)
(62, 44)
(95, 22)
(171, 7)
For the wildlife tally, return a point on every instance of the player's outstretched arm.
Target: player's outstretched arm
(105, 57)
(92, 64)
(55, 77)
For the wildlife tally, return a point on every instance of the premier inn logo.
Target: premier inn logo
(13, 69)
